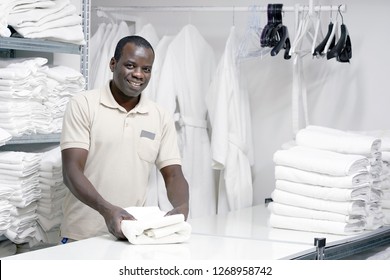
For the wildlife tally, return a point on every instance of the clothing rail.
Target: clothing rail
(341, 8)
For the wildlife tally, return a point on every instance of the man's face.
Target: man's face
(132, 72)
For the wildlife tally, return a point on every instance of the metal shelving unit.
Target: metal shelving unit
(42, 45)
(38, 45)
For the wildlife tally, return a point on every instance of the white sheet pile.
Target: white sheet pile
(33, 95)
(19, 186)
(31, 195)
(324, 183)
(56, 20)
(381, 181)
(153, 227)
(53, 191)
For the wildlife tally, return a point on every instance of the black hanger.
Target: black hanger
(321, 46)
(342, 51)
(275, 34)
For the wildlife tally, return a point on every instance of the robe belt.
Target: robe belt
(188, 121)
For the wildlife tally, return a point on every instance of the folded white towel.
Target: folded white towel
(337, 140)
(342, 207)
(153, 227)
(299, 212)
(321, 161)
(355, 180)
(326, 193)
(311, 225)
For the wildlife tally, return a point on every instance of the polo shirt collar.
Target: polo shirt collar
(107, 99)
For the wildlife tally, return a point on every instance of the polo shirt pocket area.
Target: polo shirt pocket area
(148, 148)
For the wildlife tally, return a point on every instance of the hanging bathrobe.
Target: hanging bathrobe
(157, 193)
(231, 140)
(185, 77)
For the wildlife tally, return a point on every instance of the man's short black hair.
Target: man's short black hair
(135, 39)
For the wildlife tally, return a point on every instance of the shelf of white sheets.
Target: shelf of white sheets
(35, 138)
(39, 45)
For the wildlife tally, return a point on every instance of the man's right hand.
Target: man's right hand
(113, 217)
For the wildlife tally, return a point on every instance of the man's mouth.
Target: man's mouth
(135, 84)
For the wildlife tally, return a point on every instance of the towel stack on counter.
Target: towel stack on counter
(382, 182)
(33, 95)
(324, 183)
(153, 227)
(19, 172)
(31, 195)
(53, 192)
(56, 20)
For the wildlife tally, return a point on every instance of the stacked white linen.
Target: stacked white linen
(53, 190)
(153, 227)
(24, 223)
(55, 20)
(33, 95)
(62, 83)
(355, 143)
(18, 172)
(381, 179)
(324, 186)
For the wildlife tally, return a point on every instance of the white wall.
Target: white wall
(346, 96)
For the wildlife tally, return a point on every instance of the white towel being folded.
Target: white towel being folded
(355, 180)
(153, 227)
(311, 225)
(342, 207)
(337, 140)
(321, 161)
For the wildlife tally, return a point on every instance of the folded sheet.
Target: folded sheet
(321, 161)
(153, 227)
(312, 225)
(326, 193)
(337, 140)
(299, 212)
(347, 208)
(355, 180)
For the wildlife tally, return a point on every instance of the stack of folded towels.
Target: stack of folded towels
(19, 172)
(53, 192)
(56, 20)
(153, 227)
(324, 183)
(33, 95)
(381, 183)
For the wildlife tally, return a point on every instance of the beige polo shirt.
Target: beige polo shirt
(122, 147)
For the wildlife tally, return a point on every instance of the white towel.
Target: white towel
(355, 180)
(326, 193)
(152, 227)
(337, 140)
(311, 225)
(321, 161)
(299, 212)
(342, 207)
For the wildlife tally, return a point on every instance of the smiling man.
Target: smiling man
(111, 137)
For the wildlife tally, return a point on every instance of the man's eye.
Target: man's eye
(130, 66)
(147, 70)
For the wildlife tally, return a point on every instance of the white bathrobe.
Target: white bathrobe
(231, 137)
(185, 77)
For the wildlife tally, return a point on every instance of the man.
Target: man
(110, 139)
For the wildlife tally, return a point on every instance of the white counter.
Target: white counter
(242, 234)
(199, 247)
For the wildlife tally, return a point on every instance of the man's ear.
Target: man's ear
(112, 64)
